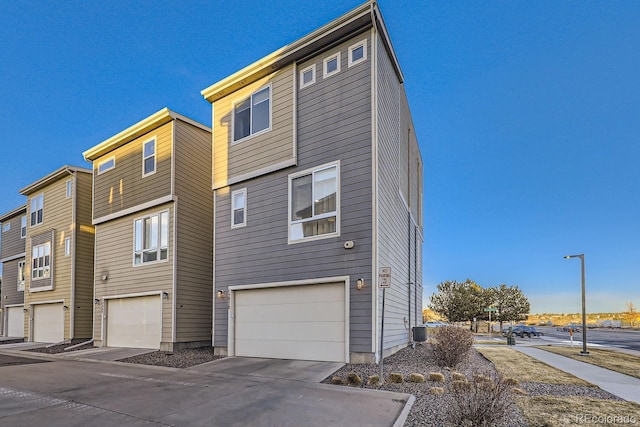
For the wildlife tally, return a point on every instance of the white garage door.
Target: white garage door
(293, 322)
(48, 323)
(15, 322)
(134, 322)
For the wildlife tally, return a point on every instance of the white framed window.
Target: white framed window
(69, 188)
(23, 227)
(331, 65)
(239, 208)
(149, 157)
(21, 265)
(358, 53)
(67, 246)
(314, 203)
(252, 115)
(6, 227)
(106, 165)
(151, 238)
(41, 261)
(307, 76)
(37, 208)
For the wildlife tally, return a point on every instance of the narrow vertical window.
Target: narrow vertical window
(21, 265)
(238, 208)
(23, 227)
(67, 246)
(37, 205)
(149, 157)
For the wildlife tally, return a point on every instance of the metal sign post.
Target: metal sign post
(384, 282)
(490, 309)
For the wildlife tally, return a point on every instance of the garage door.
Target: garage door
(292, 322)
(48, 323)
(15, 322)
(134, 322)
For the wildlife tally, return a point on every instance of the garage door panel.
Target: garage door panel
(134, 322)
(310, 350)
(15, 322)
(315, 293)
(48, 323)
(321, 311)
(293, 331)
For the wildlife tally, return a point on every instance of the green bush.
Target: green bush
(451, 345)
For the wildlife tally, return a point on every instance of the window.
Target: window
(357, 53)
(41, 261)
(37, 204)
(313, 203)
(151, 239)
(252, 115)
(21, 265)
(23, 227)
(67, 246)
(6, 227)
(307, 76)
(69, 188)
(331, 65)
(106, 165)
(149, 157)
(238, 208)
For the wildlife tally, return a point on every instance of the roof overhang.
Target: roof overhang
(17, 211)
(52, 177)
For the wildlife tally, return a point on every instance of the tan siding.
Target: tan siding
(194, 233)
(124, 187)
(114, 257)
(262, 151)
(83, 247)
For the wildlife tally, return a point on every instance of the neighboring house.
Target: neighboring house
(13, 226)
(317, 181)
(58, 294)
(152, 210)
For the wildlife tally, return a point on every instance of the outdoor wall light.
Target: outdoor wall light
(104, 277)
(165, 295)
(220, 294)
(65, 307)
(360, 284)
(25, 310)
(96, 301)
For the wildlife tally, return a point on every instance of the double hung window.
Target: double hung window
(23, 227)
(41, 261)
(151, 239)
(252, 115)
(238, 208)
(37, 205)
(149, 157)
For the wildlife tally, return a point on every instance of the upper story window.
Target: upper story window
(6, 227)
(69, 188)
(151, 238)
(23, 227)
(67, 246)
(21, 265)
(307, 76)
(238, 208)
(37, 207)
(314, 200)
(252, 115)
(41, 261)
(106, 165)
(149, 157)
(358, 53)
(331, 65)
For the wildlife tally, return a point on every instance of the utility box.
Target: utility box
(419, 333)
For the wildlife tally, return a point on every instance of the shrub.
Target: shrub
(457, 376)
(436, 377)
(483, 402)
(396, 378)
(354, 379)
(373, 380)
(460, 385)
(336, 380)
(512, 381)
(436, 390)
(416, 378)
(451, 345)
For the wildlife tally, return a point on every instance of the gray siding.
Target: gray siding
(83, 248)
(11, 243)
(194, 233)
(333, 124)
(10, 293)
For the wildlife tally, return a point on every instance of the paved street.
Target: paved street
(605, 337)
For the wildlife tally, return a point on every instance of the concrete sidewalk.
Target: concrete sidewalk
(621, 385)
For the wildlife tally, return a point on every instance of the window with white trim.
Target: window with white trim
(23, 227)
(67, 246)
(6, 227)
(21, 265)
(106, 165)
(314, 200)
(252, 115)
(151, 238)
(69, 188)
(358, 53)
(149, 157)
(239, 208)
(41, 261)
(307, 76)
(331, 65)
(37, 207)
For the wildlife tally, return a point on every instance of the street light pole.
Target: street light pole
(584, 315)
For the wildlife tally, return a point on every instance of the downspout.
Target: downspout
(72, 303)
(409, 272)
(415, 271)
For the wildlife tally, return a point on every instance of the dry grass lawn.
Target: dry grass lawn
(555, 411)
(513, 364)
(609, 359)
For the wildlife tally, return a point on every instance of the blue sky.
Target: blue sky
(527, 113)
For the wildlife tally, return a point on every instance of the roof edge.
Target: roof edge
(53, 176)
(15, 212)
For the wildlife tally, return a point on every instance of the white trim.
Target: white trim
(153, 139)
(374, 197)
(67, 246)
(250, 98)
(174, 272)
(72, 240)
(134, 295)
(24, 282)
(107, 160)
(255, 173)
(6, 227)
(294, 115)
(135, 209)
(353, 47)
(12, 257)
(306, 282)
(325, 73)
(244, 208)
(13, 305)
(51, 301)
(311, 68)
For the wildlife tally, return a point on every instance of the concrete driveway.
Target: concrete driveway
(81, 392)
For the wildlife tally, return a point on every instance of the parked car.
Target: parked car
(518, 330)
(434, 324)
(570, 326)
(533, 332)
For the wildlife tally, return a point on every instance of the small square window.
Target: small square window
(307, 76)
(331, 65)
(357, 53)
(106, 165)
(6, 227)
